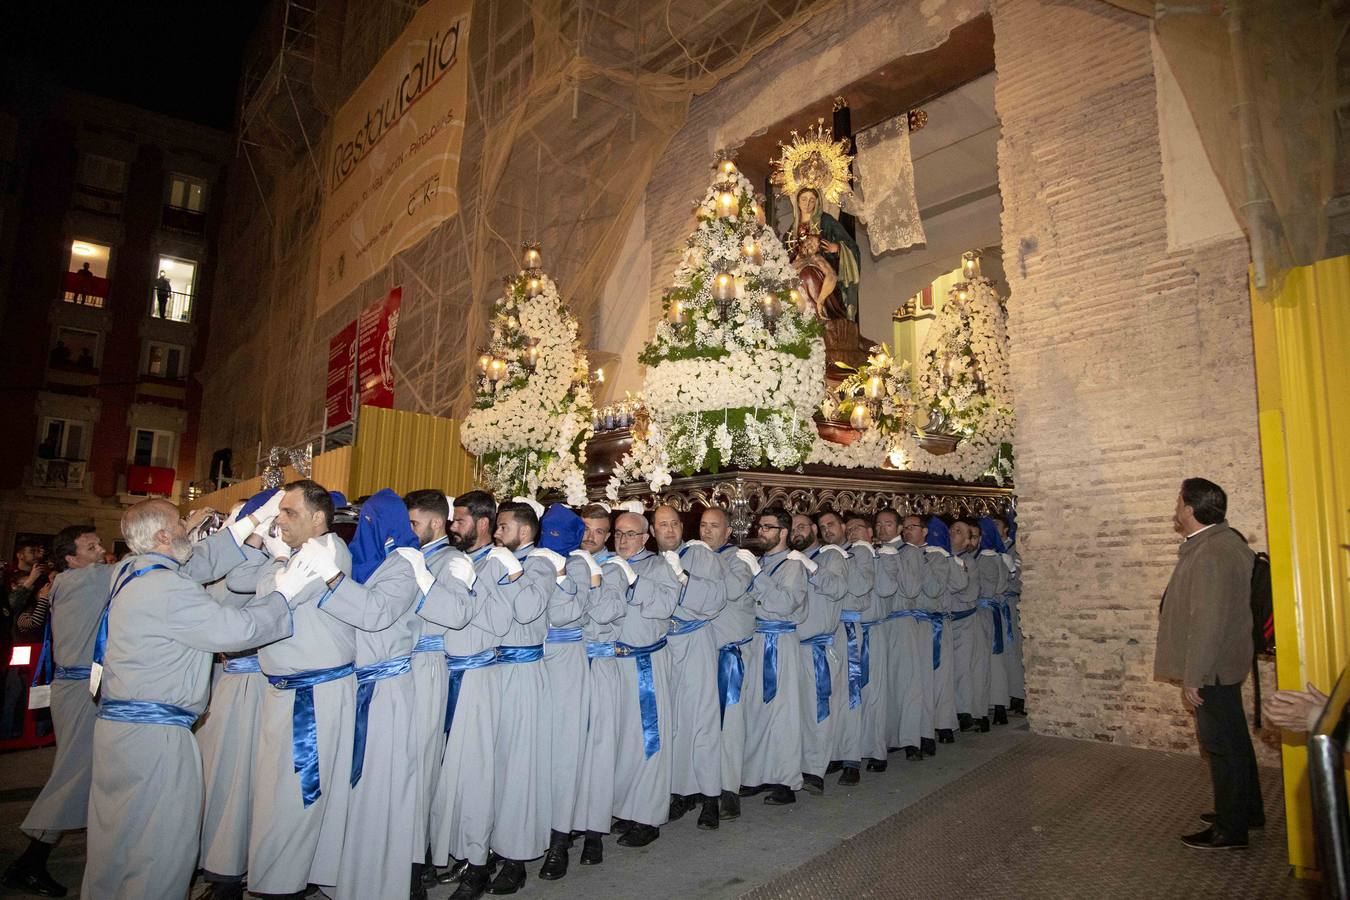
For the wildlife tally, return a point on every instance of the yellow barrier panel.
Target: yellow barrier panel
(406, 451)
(1302, 344)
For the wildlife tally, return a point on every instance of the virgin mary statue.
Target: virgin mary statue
(826, 257)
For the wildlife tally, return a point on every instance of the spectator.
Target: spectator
(86, 360)
(163, 290)
(60, 355)
(84, 284)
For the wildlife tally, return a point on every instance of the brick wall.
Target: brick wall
(1131, 366)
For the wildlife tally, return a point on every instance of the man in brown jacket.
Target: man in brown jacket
(1205, 643)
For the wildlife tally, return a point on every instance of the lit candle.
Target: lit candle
(600, 376)
(533, 259)
(874, 387)
(798, 300)
(483, 362)
(532, 355)
(970, 263)
(726, 204)
(961, 293)
(727, 168)
(724, 286)
(496, 369)
(758, 209)
(769, 307)
(859, 417)
(751, 251)
(534, 287)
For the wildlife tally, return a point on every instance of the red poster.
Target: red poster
(341, 369)
(375, 332)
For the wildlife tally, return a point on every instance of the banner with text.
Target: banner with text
(393, 166)
(341, 378)
(375, 331)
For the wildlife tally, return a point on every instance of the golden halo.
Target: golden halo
(815, 161)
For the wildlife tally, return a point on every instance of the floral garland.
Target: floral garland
(530, 424)
(962, 384)
(734, 383)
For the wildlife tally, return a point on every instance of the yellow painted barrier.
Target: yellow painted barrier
(1302, 344)
(406, 451)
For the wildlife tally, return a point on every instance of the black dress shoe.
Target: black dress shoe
(234, 890)
(678, 807)
(621, 826)
(429, 875)
(454, 872)
(473, 884)
(984, 723)
(1210, 819)
(592, 849)
(33, 881)
(748, 791)
(731, 805)
(1000, 715)
(780, 795)
(965, 721)
(928, 746)
(834, 766)
(639, 835)
(510, 878)
(894, 749)
(1209, 839)
(555, 863)
(945, 736)
(1017, 706)
(707, 818)
(416, 889)
(813, 784)
(913, 754)
(876, 765)
(849, 776)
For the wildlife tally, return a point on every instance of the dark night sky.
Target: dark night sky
(179, 58)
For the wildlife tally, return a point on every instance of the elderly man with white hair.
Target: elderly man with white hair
(153, 661)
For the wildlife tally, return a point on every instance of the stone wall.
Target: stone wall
(1132, 366)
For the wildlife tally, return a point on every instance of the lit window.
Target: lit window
(164, 360)
(171, 294)
(152, 448)
(86, 278)
(63, 439)
(187, 193)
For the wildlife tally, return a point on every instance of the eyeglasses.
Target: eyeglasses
(629, 535)
(769, 527)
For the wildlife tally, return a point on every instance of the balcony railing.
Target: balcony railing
(180, 218)
(172, 306)
(67, 474)
(85, 289)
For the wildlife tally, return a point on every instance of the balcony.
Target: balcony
(98, 200)
(188, 221)
(150, 481)
(59, 474)
(84, 288)
(71, 377)
(171, 306)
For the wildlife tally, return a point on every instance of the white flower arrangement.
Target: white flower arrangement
(529, 426)
(736, 382)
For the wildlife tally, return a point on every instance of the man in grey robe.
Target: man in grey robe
(875, 650)
(732, 629)
(1012, 653)
(695, 732)
(889, 543)
(78, 595)
(846, 696)
(773, 708)
(953, 572)
(923, 588)
(145, 801)
(970, 642)
(463, 806)
(642, 766)
(820, 665)
(594, 808)
(302, 764)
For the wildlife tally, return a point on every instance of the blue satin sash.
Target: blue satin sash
(852, 620)
(771, 629)
(366, 676)
(304, 730)
(642, 656)
(145, 712)
(685, 626)
(126, 578)
(242, 665)
(72, 673)
(932, 618)
(996, 607)
(43, 671)
(821, 661)
(600, 650)
(730, 674)
(520, 654)
(430, 643)
(563, 636)
(458, 665)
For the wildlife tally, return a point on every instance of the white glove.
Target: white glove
(804, 560)
(887, 550)
(419, 566)
(275, 546)
(749, 559)
(836, 548)
(591, 565)
(554, 559)
(622, 563)
(318, 556)
(507, 559)
(936, 550)
(292, 580)
(959, 561)
(698, 543)
(462, 569)
(673, 560)
(258, 520)
(239, 528)
(871, 551)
